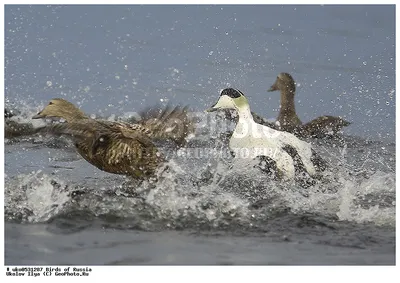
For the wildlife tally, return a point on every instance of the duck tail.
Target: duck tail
(168, 123)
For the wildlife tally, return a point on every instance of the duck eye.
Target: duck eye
(50, 103)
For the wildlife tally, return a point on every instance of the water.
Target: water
(113, 61)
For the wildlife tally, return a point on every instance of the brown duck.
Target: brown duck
(119, 147)
(290, 122)
(14, 129)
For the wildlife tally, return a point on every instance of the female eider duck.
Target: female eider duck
(117, 147)
(282, 150)
(290, 122)
(14, 128)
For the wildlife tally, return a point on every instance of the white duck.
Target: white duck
(250, 140)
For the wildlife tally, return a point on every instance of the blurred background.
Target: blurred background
(118, 59)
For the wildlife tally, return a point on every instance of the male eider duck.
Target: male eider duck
(290, 122)
(117, 147)
(282, 150)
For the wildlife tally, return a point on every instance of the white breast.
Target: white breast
(250, 140)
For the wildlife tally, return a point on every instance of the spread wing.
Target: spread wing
(168, 123)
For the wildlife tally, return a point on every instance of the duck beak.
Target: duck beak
(273, 88)
(211, 109)
(38, 116)
(224, 102)
(346, 123)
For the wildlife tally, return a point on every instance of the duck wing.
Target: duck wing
(301, 153)
(324, 126)
(168, 123)
(260, 120)
(304, 156)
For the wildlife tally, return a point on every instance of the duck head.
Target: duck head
(230, 98)
(284, 82)
(60, 108)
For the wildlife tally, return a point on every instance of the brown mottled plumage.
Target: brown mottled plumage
(290, 122)
(118, 147)
(13, 129)
(111, 146)
(167, 124)
(8, 113)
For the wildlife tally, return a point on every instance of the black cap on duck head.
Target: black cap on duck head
(284, 81)
(232, 93)
(229, 98)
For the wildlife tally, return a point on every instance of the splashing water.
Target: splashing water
(207, 190)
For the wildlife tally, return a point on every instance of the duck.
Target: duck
(9, 113)
(13, 128)
(323, 126)
(115, 146)
(282, 151)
